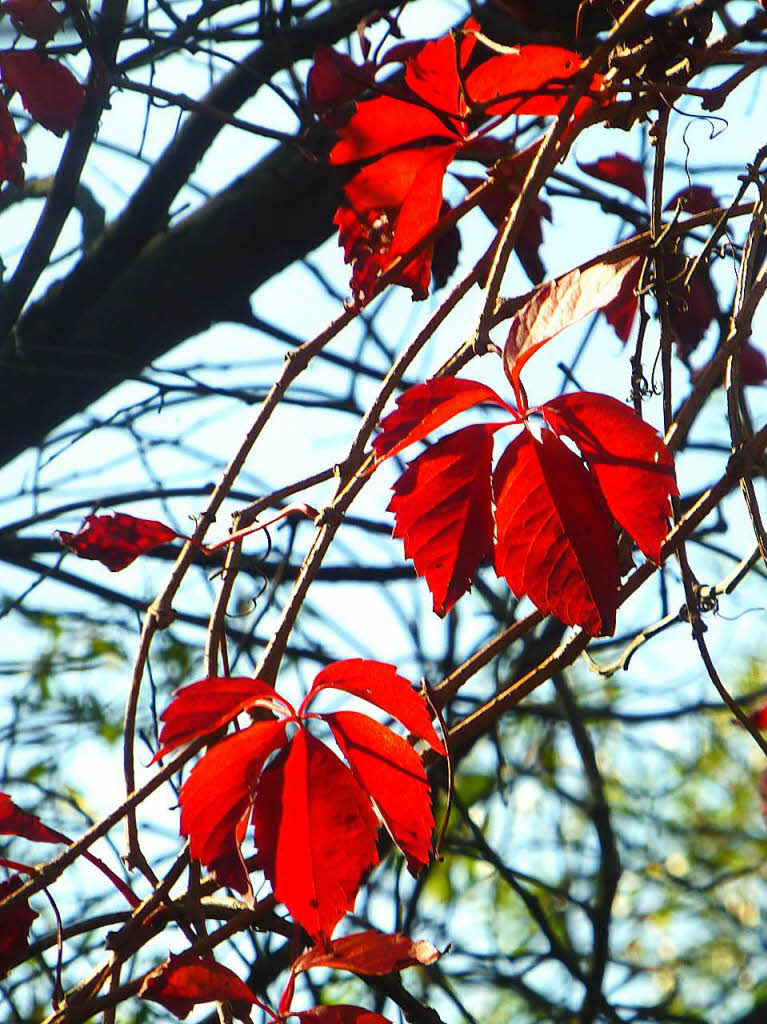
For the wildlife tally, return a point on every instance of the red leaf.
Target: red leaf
(633, 467)
(334, 79)
(691, 308)
(216, 798)
(753, 365)
(207, 705)
(393, 775)
(379, 684)
(184, 981)
(13, 152)
(49, 91)
(621, 170)
(621, 311)
(340, 1014)
(15, 822)
(558, 304)
(116, 540)
(427, 406)
(37, 19)
(15, 922)
(533, 80)
(315, 832)
(694, 199)
(368, 953)
(442, 510)
(433, 73)
(555, 538)
(445, 252)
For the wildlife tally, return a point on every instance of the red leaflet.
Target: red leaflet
(13, 152)
(207, 705)
(555, 536)
(694, 199)
(533, 80)
(217, 796)
(442, 509)
(37, 19)
(368, 953)
(621, 311)
(621, 170)
(116, 540)
(379, 684)
(15, 822)
(314, 824)
(392, 774)
(633, 467)
(427, 406)
(15, 922)
(184, 981)
(558, 304)
(49, 91)
(316, 833)
(753, 365)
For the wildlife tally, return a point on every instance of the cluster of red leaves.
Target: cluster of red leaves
(545, 516)
(49, 91)
(116, 540)
(405, 141)
(184, 981)
(313, 817)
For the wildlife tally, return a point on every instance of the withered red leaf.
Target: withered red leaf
(37, 19)
(368, 952)
(315, 831)
(555, 538)
(379, 683)
(15, 922)
(633, 467)
(393, 775)
(442, 509)
(621, 170)
(116, 540)
(49, 91)
(185, 980)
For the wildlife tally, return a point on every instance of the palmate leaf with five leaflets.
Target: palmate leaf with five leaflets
(314, 817)
(544, 515)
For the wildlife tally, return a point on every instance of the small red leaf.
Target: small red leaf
(116, 540)
(442, 510)
(340, 1014)
(555, 537)
(315, 832)
(368, 953)
(13, 152)
(427, 406)
(753, 365)
(15, 922)
(621, 170)
(37, 19)
(558, 304)
(633, 467)
(621, 311)
(15, 822)
(334, 79)
(184, 981)
(207, 705)
(694, 199)
(392, 774)
(378, 683)
(216, 798)
(49, 91)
